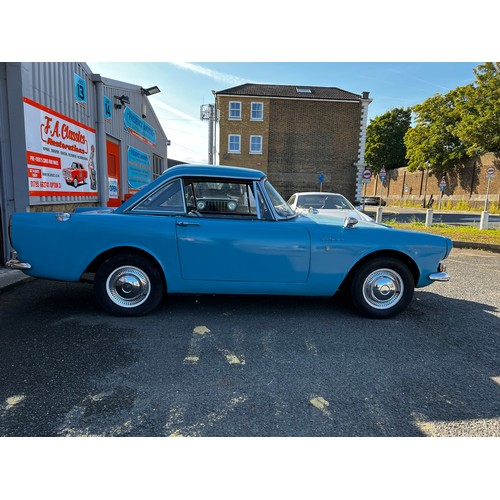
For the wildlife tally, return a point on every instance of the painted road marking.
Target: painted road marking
(321, 404)
(200, 333)
(12, 401)
(175, 427)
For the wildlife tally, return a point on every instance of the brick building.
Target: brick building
(294, 134)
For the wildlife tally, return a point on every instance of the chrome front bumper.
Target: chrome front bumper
(441, 275)
(15, 263)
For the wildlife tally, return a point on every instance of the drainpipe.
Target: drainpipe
(102, 164)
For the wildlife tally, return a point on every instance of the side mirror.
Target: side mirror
(350, 221)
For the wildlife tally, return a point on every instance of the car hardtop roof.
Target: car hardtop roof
(215, 171)
(187, 170)
(323, 193)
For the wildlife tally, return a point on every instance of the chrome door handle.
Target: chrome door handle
(184, 224)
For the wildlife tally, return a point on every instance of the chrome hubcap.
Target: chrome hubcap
(383, 288)
(128, 286)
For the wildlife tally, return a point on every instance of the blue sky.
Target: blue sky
(186, 86)
(237, 43)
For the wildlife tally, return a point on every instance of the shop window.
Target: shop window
(158, 166)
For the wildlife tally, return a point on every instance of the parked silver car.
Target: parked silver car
(325, 204)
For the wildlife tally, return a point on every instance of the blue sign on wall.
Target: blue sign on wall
(80, 91)
(139, 169)
(108, 109)
(139, 128)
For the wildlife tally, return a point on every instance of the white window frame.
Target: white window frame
(233, 151)
(250, 147)
(230, 110)
(261, 109)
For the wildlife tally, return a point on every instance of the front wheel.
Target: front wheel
(382, 288)
(128, 285)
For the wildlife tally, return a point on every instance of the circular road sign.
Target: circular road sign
(490, 171)
(367, 173)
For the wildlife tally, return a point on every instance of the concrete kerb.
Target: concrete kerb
(9, 278)
(490, 247)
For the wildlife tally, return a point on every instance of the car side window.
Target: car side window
(166, 199)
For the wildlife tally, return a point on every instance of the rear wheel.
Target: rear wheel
(382, 288)
(128, 285)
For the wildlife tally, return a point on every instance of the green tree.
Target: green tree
(385, 139)
(433, 141)
(479, 107)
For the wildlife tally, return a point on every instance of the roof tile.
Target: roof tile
(290, 91)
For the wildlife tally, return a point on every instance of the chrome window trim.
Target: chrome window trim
(258, 186)
(269, 203)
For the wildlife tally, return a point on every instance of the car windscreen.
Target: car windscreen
(331, 201)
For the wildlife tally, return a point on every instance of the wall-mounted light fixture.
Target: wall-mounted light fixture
(151, 90)
(124, 99)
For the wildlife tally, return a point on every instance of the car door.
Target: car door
(222, 249)
(241, 247)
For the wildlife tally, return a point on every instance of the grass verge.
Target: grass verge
(456, 233)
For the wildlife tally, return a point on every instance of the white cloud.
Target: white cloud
(160, 104)
(210, 73)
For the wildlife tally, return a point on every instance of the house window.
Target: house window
(234, 110)
(257, 112)
(255, 144)
(234, 143)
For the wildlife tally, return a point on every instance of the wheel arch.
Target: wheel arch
(404, 258)
(101, 258)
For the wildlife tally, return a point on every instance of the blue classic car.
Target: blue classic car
(224, 230)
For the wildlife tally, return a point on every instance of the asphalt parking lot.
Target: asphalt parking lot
(254, 366)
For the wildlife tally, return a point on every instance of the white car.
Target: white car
(325, 204)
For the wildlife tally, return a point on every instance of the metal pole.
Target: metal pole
(215, 134)
(425, 188)
(381, 186)
(102, 163)
(211, 135)
(487, 193)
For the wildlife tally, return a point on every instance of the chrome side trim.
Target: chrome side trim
(439, 277)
